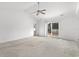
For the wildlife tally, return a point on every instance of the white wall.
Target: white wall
(15, 24)
(69, 27)
(42, 29)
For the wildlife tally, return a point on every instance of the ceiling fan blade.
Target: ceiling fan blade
(43, 10)
(36, 11)
(43, 13)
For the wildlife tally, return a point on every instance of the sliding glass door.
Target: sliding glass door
(53, 29)
(49, 29)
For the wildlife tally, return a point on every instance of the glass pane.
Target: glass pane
(55, 26)
(49, 28)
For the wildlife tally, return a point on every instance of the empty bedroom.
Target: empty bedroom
(39, 29)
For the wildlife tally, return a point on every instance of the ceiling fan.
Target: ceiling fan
(39, 11)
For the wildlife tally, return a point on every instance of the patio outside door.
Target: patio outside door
(53, 29)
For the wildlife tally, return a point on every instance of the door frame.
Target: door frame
(51, 28)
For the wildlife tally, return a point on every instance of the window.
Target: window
(55, 26)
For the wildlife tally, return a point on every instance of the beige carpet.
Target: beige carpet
(39, 47)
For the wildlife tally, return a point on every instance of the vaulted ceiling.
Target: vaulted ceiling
(53, 9)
